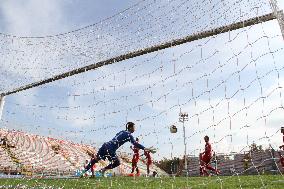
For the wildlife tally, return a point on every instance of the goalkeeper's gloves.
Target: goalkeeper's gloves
(151, 149)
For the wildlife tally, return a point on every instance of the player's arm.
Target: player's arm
(135, 143)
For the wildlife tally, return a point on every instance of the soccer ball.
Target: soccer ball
(173, 129)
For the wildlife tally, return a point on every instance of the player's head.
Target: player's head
(206, 138)
(130, 126)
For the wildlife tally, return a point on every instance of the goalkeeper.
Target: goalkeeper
(108, 149)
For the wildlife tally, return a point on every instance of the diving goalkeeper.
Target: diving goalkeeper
(108, 149)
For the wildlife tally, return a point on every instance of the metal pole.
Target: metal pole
(183, 116)
(172, 150)
(2, 100)
(278, 14)
(185, 159)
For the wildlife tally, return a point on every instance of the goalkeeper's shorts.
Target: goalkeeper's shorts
(106, 153)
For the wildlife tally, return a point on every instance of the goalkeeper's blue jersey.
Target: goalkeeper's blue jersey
(120, 138)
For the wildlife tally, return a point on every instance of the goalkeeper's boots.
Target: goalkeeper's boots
(218, 172)
(102, 172)
(83, 174)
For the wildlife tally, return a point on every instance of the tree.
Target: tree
(170, 166)
(256, 148)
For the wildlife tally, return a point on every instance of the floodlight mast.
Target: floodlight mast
(183, 116)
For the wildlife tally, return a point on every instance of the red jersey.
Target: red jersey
(136, 155)
(282, 161)
(208, 149)
(148, 157)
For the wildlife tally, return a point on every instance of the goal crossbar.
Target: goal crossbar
(175, 42)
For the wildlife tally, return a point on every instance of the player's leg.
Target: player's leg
(206, 165)
(282, 161)
(92, 162)
(95, 159)
(115, 162)
(209, 167)
(134, 166)
(148, 168)
(92, 170)
(137, 171)
(202, 169)
(90, 165)
(201, 165)
(149, 163)
(205, 172)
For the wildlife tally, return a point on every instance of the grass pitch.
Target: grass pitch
(257, 181)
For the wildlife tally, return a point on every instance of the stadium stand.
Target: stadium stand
(28, 154)
(33, 155)
(251, 163)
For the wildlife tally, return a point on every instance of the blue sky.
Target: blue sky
(66, 109)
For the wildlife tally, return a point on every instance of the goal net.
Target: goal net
(230, 84)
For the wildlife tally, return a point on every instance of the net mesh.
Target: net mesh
(145, 24)
(230, 85)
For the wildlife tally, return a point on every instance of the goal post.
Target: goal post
(278, 14)
(2, 101)
(227, 73)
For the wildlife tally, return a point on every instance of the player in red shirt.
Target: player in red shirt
(149, 161)
(135, 159)
(205, 159)
(281, 157)
(92, 168)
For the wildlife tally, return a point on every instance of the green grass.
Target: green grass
(268, 181)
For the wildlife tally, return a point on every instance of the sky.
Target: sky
(223, 82)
